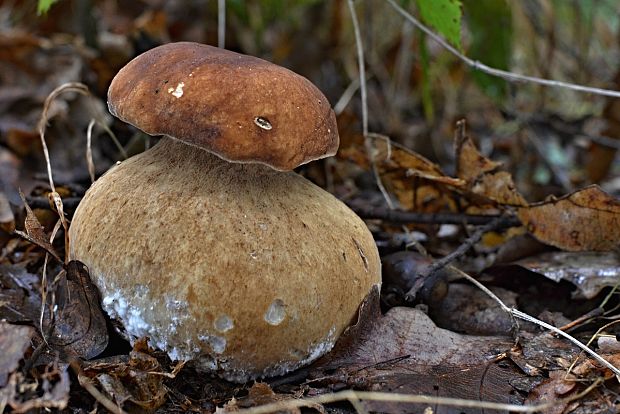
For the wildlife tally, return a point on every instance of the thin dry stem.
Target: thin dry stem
(65, 87)
(350, 395)
(346, 96)
(221, 23)
(592, 338)
(88, 385)
(361, 66)
(524, 316)
(89, 151)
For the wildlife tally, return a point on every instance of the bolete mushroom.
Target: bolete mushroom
(203, 243)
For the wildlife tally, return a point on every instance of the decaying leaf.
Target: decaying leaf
(49, 391)
(418, 183)
(405, 352)
(79, 326)
(7, 219)
(35, 232)
(587, 219)
(20, 300)
(137, 381)
(482, 175)
(14, 341)
(553, 390)
(589, 271)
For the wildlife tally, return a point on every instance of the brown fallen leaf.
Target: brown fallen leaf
(79, 327)
(587, 219)
(20, 301)
(35, 232)
(14, 341)
(405, 352)
(134, 383)
(482, 175)
(553, 390)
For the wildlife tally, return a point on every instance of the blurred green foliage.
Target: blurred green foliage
(44, 5)
(444, 16)
(490, 28)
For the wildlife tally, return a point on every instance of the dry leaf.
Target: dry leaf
(589, 271)
(587, 219)
(14, 341)
(553, 390)
(134, 383)
(79, 327)
(405, 352)
(7, 219)
(482, 175)
(35, 232)
(419, 184)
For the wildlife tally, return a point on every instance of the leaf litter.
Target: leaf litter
(467, 348)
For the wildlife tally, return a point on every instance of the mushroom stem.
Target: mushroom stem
(254, 271)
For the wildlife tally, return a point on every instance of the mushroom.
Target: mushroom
(206, 243)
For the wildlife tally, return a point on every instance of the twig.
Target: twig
(509, 76)
(361, 65)
(65, 87)
(89, 151)
(88, 385)
(221, 23)
(439, 264)
(582, 319)
(406, 217)
(350, 395)
(592, 338)
(346, 96)
(524, 316)
(362, 81)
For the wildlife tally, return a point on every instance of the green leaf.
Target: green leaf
(490, 25)
(444, 16)
(427, 96)
(43, 6)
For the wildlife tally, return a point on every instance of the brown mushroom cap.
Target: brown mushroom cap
(239, 107)
(251, 271)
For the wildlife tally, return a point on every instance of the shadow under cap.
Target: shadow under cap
(241, 108)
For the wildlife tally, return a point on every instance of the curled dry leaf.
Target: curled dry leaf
(80, 327)
(131, 383)
(482, 175)
(35, 232)
(418, 183)
(587, 219)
